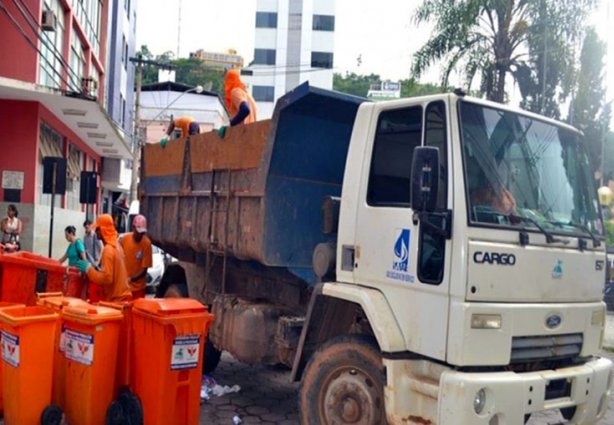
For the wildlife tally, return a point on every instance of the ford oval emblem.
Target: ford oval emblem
(553, 321)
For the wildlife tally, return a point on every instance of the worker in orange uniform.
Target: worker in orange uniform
(180, 127)
(112, 275)
(138, 254)
(240, 104)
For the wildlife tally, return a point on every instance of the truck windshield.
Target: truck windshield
(518, 167)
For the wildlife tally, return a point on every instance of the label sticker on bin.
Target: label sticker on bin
(63, 339)
(79, 347)
(185, 352)
(10, 349)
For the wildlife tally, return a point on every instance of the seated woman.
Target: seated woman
(12, 228)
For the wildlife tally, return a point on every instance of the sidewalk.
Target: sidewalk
(608, 334)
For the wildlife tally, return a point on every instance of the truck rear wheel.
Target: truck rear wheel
(211, 356)
(344, 383)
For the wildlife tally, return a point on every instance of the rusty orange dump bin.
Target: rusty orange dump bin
(2, 305)
(57, 303)
(91, 337)
(28, 335)
(169, 335)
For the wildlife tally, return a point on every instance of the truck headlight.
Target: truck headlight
(479, 401)
(485, 321)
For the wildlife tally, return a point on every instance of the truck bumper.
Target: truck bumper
(421, 392)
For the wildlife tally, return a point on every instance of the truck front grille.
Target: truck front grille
(531, 348)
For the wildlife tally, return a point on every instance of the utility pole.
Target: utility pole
(137, 140)
(179, 29)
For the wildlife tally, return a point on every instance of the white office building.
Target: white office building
(294, 43)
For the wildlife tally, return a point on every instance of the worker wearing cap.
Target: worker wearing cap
(240, 104)
(138, 253)
(112, 275)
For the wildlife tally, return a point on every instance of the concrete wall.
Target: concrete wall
(19, 60)
(62, 219)
(19, 122)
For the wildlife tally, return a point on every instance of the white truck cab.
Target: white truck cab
(480, 268)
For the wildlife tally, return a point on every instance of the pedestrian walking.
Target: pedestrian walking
(76, 248)
(93, 245)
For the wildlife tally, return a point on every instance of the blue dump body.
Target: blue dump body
(273, 211)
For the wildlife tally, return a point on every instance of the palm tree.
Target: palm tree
(491, 37)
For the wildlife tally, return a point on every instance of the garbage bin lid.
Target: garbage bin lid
(60, 302)
(20, 315)
(91, 314)
(169, 306)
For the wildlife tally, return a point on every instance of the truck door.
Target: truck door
(407, 261)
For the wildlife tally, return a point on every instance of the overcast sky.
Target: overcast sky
(381, 32)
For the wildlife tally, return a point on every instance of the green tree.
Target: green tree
(355, 84)
(588, 112)
(490, 38)
(359, 85)
(187, 71)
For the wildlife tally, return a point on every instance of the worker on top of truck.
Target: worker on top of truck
(138, 255)
(112, 276)
(241, 106)
(179, 128)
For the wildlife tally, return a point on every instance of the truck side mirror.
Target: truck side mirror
(424, 178)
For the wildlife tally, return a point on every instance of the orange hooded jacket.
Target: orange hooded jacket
(112, 275)
(235, 94)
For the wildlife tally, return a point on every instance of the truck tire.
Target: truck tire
(176, 290)
(344, 383)
(211, 355)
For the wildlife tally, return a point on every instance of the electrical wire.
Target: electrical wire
(73, 76)
(34, 46)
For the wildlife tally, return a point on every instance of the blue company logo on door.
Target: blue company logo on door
(400, 261)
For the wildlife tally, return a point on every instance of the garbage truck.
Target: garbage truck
(430, 260)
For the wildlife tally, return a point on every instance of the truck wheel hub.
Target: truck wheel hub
(350, 398)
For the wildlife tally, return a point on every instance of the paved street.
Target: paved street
(266, 397)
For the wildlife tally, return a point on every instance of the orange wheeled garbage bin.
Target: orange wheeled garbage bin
(24, 274)
(169, 335)
(75, 283)
(91, 337)
(57, 303)
(28, 335)
(2, 305)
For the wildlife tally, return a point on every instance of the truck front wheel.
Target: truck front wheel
(344, 383)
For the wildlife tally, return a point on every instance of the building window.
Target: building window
(51, 144)
(263, 93)
(399, 131)
(77, 61)
(323, 23)
(122, 110)
(74, 167)
(264, 56)
(89, 15)
(266, 20)
(52, 45)
(124, 53)
(321, 60)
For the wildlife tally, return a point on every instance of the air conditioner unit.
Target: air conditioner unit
(49, 21)
(89, 86)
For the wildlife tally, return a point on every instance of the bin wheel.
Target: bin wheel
(131, 406)
(52, 415)
(116, 415)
